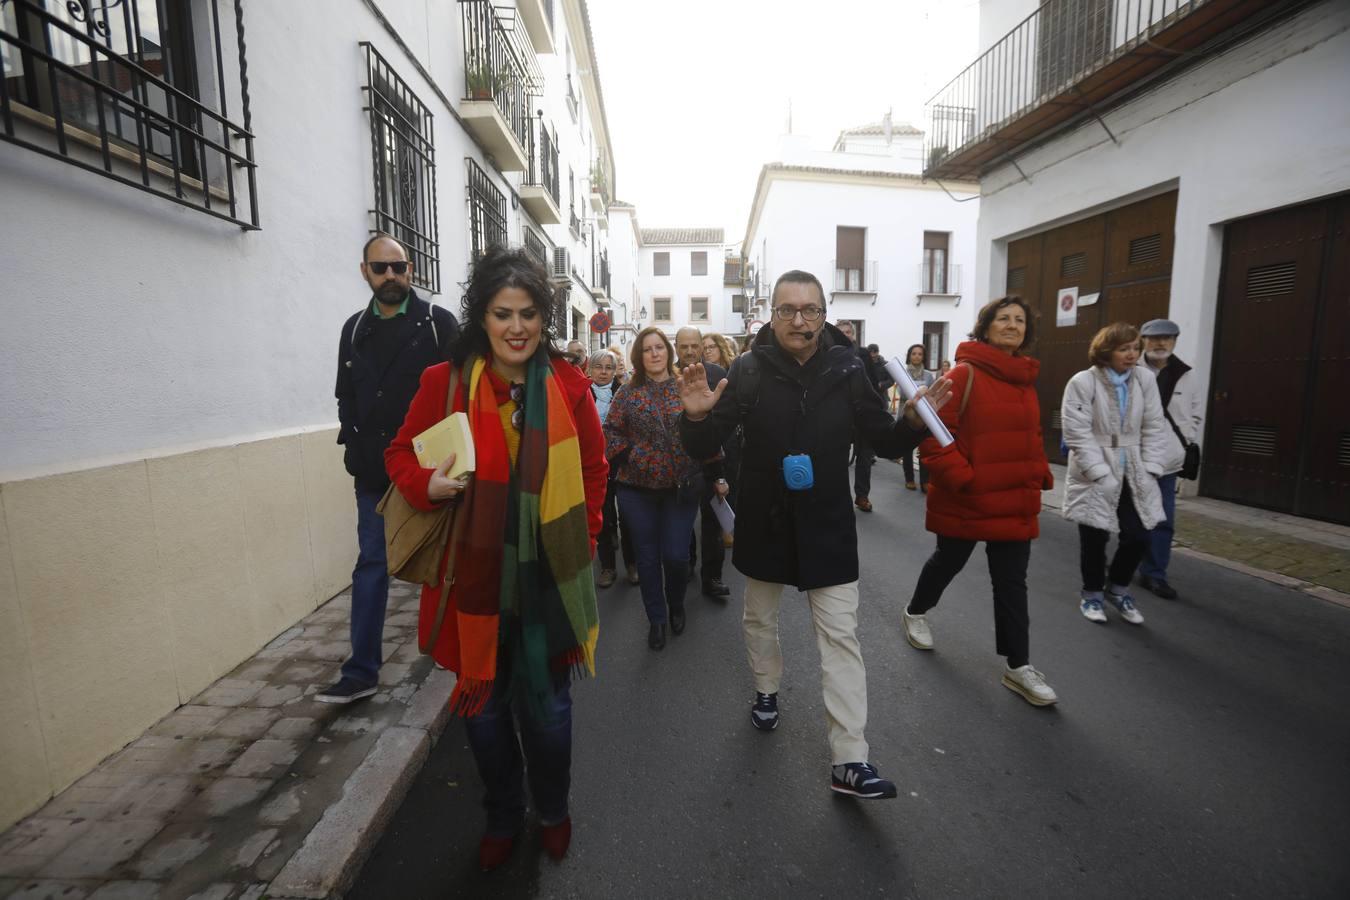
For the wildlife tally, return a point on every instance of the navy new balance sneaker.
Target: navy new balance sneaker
(764, 714)
(860, 779)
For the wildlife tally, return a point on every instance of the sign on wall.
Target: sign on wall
(1066, 307)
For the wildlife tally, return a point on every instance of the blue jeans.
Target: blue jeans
(1159, 551)
(370, 592)
(661, 526)
(546, 761)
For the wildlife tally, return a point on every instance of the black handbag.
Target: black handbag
(690, 488)
(1190, 469)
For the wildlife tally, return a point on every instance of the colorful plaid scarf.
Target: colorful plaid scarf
(525, 598)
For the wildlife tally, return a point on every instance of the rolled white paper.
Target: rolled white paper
(725, 516)
(896, 369)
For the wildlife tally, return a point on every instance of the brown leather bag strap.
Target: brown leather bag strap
(448, 581)
(970, 383)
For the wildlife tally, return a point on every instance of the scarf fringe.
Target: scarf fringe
(579, 661)
(470, 696)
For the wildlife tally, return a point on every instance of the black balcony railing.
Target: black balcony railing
(542, 149)
(136, 92)
(497, 66)
(574, 222)
(602, 273)
(1047, 55)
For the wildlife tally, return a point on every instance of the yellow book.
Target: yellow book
(449, 435)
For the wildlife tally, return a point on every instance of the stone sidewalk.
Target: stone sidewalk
(1304, 554)
(251, 790)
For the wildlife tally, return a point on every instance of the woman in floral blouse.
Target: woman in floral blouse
(658, 483)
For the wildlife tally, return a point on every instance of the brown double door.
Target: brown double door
(1124, 256)
(1279, 411)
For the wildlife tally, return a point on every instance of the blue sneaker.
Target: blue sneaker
(1091, 608)
(860, 779)
(1124, 605)
(764, 714)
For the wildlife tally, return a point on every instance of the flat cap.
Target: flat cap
(1159, 328)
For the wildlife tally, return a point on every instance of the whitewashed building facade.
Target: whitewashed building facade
(183, 222)
(1187, 160)
(892, 250)
(682, 281)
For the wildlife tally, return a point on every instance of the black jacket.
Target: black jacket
(372, 403)
(803, 538)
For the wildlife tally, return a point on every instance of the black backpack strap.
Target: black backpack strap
(747, 383)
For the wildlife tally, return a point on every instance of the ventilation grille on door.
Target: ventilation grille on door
(1073, 265)
(1017, 279)
(1256, 440)
(1146, 249)
(1270, 281)
(1343, 449)
(1054, 420)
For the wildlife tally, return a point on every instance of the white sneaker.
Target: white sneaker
(917, 631)
(1030, 684)
(1124, 605)
(1091, 608)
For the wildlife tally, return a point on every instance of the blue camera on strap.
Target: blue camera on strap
(797, 472)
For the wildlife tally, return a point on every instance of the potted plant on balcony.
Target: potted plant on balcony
(483, 82)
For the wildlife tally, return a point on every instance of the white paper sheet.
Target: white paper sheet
(896, 369)
(725, 516)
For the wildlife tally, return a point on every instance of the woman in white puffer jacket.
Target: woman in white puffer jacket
(1119, 443)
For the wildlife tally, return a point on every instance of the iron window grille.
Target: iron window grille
(534, 245)
(403, 160)
(487, 211)
(136, 91)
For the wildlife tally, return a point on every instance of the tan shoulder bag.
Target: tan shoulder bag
(414, 539)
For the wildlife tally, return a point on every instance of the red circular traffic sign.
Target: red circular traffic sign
(600, 323)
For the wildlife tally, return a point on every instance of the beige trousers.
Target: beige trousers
(834, 612)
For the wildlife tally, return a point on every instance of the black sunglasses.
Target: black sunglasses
(518, 414)
(379, 267)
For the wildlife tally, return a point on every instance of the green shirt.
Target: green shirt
(375, 308)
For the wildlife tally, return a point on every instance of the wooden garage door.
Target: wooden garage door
(1125, 256)
(1279, 424)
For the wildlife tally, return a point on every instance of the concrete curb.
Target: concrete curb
(333, 852)
(1331, 595)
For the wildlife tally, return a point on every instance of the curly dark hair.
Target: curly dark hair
(985, 319)
(496, 269)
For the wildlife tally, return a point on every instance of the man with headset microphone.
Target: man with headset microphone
(799, 396)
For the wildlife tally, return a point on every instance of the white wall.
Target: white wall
(626, 297)
(152, 327)
(1265, 125)
(796, 230)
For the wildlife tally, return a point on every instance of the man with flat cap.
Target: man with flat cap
(1183, 407)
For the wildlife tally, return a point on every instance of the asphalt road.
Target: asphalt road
(1205, 754)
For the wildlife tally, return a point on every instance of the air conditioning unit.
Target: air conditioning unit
(562, 264)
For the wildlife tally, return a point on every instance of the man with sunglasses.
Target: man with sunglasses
(799, 396)
(384, 349)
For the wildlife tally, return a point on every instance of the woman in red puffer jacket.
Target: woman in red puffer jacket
(987, 485)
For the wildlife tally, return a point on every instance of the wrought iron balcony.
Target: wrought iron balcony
(854, 277)
(939, 280)
(123, 90)
(501, 80)
(540, 190)
(1068, 60)
(600, 287)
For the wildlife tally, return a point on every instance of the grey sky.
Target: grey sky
(697, 92)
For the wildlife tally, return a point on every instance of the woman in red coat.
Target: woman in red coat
(520, 618)
(987, 486)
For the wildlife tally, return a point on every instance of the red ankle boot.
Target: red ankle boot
(557, 838)
(494, 851)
